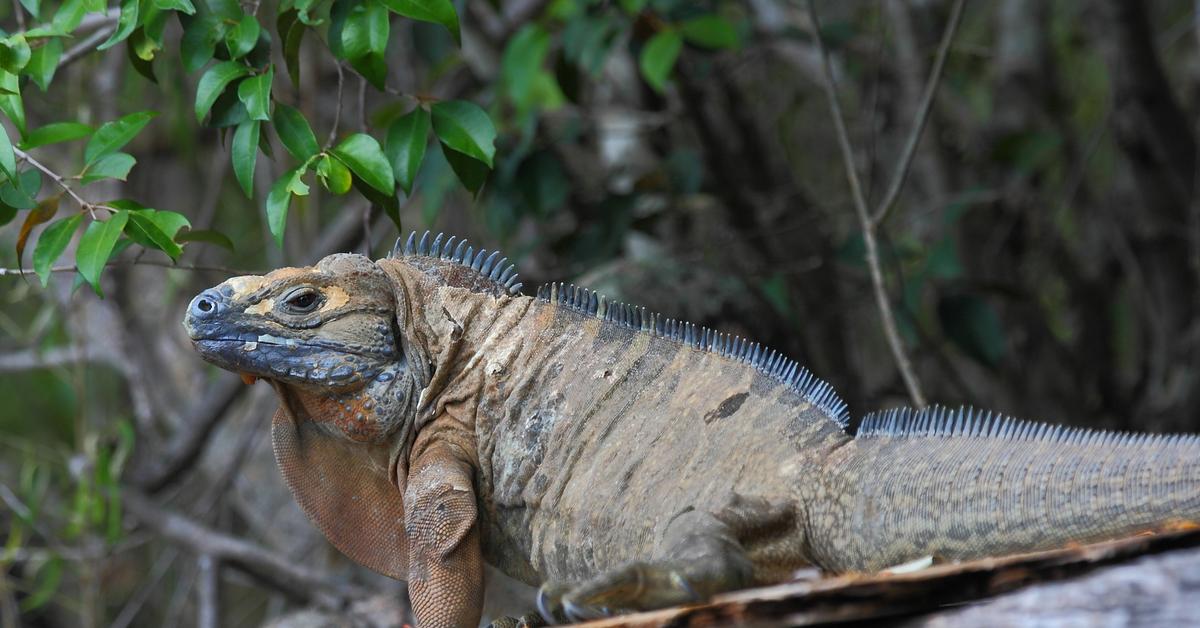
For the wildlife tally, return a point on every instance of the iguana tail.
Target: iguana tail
(957, 484)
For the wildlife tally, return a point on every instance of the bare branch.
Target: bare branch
(55, 176)
(295, 580)
(140, 262)
(83, 48)
(918, 128)
(185, 448)
(887, 316)
(337, 112)
(208, 599)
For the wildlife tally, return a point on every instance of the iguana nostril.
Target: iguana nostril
(204, 305)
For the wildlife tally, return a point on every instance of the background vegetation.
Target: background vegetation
(1037, 251)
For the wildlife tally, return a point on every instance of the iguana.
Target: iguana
(432, 418)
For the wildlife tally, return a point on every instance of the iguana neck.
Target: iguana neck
(372, 413)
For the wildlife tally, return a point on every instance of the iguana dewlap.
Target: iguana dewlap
(432, 418)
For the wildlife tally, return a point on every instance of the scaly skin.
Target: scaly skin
(624, 468)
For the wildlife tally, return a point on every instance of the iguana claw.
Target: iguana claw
(578, 613)
(547, 606)
(636, 586)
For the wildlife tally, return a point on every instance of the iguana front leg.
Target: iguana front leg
(445, 575)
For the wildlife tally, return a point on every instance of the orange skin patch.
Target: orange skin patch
(353, 413)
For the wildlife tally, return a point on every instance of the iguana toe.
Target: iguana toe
(528, 620)
(634, 587)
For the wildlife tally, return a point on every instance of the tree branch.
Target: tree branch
(922, 116)
(185, 447)
(281, 573)
(140, 262)
(887, 316)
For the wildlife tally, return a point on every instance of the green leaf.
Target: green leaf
(225, 10)
(291, 29)
(633, 7)
(279, 198)
(405, 146)
(522, 61)
(44, 62)
(23, 195)
(435, 11)
(10, 100)
(244, 153)
(255, 93)
(466, 128)
(125, 25)
(366, 159)
(14, 53)
(200, 37)
(170, 222)
(294, 132)
(377, 26)
(710, 31)
(146, 231)
(8, 159)
(228, 111)
(333, 174)
(183, 6)
(110, 166)
(658, 57)
(111, 136)
(206, 235)
(470, 171)
(364, 30)
(372, 67)
(69, 15)
(48, 577)
(213, 82)
(97, 244)
(52, 243)
(140, 51)
(242, 37)
(33, 6)
(973, 324)
(54, 133)
(388, 203)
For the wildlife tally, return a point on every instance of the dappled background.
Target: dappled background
(1041, 257)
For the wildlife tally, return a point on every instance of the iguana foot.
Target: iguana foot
(634, 587)
(528, 620)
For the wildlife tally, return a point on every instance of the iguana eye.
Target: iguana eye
(302, 301)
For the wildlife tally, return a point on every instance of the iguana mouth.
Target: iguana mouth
(254, 356)
(251, 341)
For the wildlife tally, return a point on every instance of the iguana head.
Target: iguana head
(330, 338)
(331, 325)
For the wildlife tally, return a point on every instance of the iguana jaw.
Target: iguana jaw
(328, 327)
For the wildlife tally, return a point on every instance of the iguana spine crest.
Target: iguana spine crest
(483, 264)
(767, 361)
(965, 421)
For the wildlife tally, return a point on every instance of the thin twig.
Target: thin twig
(20, 15)
(208, 601)
(57, 179)
(337, 112)
(903, 364)
(918, 128)
(141, 262)
(362, 103)
(83, 48)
